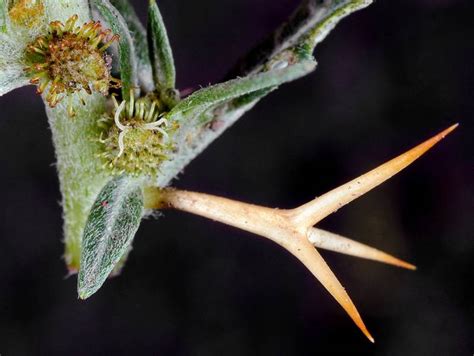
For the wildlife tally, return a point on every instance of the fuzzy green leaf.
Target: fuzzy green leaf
(197, 113)
(113, 221)
(307, 26)
(139, 36)
(12, 74)
(126, 47)
(161, 54)
(325, 18)
(11, 77)
(81, 174)
(208, 97)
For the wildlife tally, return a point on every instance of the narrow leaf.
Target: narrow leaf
(325, 18)
(160, 49)
(308, 25)
(197, 112)
(236, 88)
(139, 37)
(113, 221)
(126, 47)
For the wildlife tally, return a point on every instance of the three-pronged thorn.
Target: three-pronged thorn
(293, 229)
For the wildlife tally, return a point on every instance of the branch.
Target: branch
(291, 44)
(195, 115)
(292, 229)
(309, 24)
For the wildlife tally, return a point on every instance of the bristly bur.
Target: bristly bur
(70, 59)
(120, 152)
(137, 136)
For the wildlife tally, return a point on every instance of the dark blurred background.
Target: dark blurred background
(388, 77)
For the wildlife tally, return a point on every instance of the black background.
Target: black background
(388, 77)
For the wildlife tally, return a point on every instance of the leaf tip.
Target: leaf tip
(84, 293)
(86, 289)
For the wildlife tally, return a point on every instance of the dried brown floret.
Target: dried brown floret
(69, 59)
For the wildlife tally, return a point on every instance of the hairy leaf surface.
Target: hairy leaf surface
(126, 47)
(139, 37)
(161, 54)
(113, 221)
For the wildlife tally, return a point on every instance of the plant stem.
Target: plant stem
(309, 25)
(310, 15)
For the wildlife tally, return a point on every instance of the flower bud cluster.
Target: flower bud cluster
(137, 137)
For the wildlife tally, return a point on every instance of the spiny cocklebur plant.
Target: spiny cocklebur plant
(122, 131)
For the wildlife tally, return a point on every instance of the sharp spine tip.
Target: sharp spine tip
(398, 262)
(360, 324)
(447, 131)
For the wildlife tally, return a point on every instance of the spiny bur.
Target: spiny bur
(69, 59)
(136, 137)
